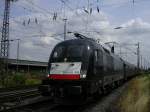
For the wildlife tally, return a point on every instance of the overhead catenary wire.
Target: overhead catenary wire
(43, 35)
(14, 20)
(38, 6)
(48, 15)
(35, 9)
(71, 9)
(42, 9)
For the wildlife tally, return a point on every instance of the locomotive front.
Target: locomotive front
(67, 70)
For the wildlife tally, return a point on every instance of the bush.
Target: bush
(15, 80)
(33, 81)
(19, 79)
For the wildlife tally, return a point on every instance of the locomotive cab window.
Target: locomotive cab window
(96, 55)
(100, 58)
(59, 52)
(69, 52)
(75, 51)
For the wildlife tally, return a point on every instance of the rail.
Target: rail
(18, 88)
(15, 97)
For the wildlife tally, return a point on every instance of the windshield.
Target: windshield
(74, 51)
(68, 53)
(59, 52)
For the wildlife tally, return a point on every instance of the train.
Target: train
(80, 68)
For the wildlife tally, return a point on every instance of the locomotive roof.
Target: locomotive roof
(90, 42)
(94, 44)
(76, 42)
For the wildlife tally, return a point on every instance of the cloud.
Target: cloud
(38, 39)
(134, 31)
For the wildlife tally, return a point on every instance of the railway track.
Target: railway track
(11, 97)
(103, 104)
(17, 88)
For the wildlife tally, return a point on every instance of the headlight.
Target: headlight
(83, 76)
(48, 75)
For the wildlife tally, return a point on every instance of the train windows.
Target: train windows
(100, 57)
(96, 55)
(104, 60)
(55, 54)
(88, 47)
(71, 52)
(75, 51)
(59, 52)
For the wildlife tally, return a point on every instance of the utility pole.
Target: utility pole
(18, 53)
(138, 55)
(65, 19)
(65, 28)
(141, 62)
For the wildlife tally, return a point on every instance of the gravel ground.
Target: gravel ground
(108, 103)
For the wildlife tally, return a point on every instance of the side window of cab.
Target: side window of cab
(100, 58)
(96, 56)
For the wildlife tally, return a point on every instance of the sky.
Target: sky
(32, 22)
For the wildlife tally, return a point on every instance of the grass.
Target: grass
(136, 96)
(33, 81)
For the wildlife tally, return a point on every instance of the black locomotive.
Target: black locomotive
(81, 68)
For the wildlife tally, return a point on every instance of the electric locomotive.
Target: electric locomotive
(79, 68)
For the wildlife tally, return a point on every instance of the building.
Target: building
(27, 66)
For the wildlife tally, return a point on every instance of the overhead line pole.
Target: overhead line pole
(65, 28)
(4, 51)
(18, 45)
(138, 55)
(5, 32)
